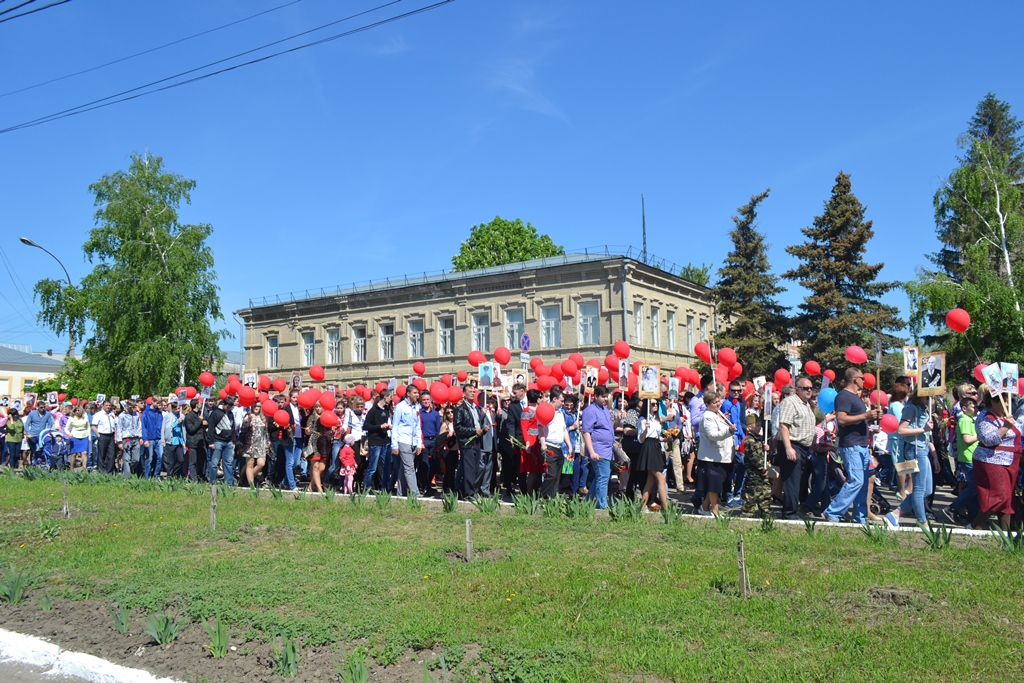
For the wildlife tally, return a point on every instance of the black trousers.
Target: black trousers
(106, 453)
(174, 457)
(476, 475)
(451, 466)
(509, 466)
(197, 463)
(791, 473)
(425, 465)
(553, 460)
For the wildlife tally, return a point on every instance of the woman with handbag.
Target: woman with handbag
(714, 453)
(996, 461)
(915, 425)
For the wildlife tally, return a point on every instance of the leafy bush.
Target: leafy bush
(14, 584)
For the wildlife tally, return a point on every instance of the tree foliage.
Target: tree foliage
(746, 293)
(151, 296)
(843, 306)
(500, 242)
(698, 275)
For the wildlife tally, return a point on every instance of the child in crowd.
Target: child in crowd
(347, 458)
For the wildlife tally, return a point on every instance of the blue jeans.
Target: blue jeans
(922, 480)
(154, 450)
(597, 482)
(373, 461)
(857, 460)
(13, 451)
(580, 476)
(292, 456)
(335, 449)
(969, 496)
(225, 450)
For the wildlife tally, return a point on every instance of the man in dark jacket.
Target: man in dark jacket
(281, 440)
(512, 428)
(152, 439)
(195, 430)
(470, 425)
(220, 434)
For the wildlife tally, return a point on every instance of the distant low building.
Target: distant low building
(581, 302)
(20, 370)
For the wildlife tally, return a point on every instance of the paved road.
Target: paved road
(12, 672)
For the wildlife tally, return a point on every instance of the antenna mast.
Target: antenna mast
(643, 224)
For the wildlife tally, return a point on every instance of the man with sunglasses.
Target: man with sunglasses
(853, 417)
(796, 434)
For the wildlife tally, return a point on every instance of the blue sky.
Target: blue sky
(372, 156)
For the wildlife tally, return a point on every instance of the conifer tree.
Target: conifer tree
(746, 293)
(843, 306)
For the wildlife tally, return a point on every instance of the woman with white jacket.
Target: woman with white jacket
(714, 454)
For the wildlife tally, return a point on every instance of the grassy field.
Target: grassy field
(573, 599)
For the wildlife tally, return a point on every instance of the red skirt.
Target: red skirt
(995, 486)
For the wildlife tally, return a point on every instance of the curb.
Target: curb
(38, 652)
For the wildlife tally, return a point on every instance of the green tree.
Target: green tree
(151, 296)
(500, 242)
(843, 306)
(746, 293)
(698, 275)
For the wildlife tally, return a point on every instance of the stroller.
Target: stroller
(56, 449)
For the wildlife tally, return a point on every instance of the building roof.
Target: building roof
(570, 257)
(9, 356)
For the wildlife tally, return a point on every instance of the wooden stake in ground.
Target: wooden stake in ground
(744, 579)
(64, 508)
(469, 541)
(213, 507)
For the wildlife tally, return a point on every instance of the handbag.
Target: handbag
(907, 467)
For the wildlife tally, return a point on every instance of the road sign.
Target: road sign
(524, 342)
(524, 359)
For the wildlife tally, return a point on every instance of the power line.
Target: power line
(125, 96)
(152, 49)
(16, 7)
(31, 11)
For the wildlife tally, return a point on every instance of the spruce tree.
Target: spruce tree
(746, 292)
(843, 306)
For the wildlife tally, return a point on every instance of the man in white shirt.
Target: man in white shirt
(407, 438)
(555, 445)
(104, 425)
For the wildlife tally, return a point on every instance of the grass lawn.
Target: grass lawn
(573, 599)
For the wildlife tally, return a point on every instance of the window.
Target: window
(333, 347)
(655, 323)
(589, 331)
(446, 336)
(550, 326)
(272, 352)
(689, 334)
(359, 344)
(481, 332)
(703, 329)
(638, 323)
(415, 339)
(514, 327)
(307, 349)
(670, 329)
(27, 384)
(387, 341)
(5, 386)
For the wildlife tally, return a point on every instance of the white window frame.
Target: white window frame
(308, 349)
(416, 347)
(514, 330)
(387, 340)
(481, 332)
(551, 328)
(334, 347)
(272, 352)
(703, 329)
(689, 334)
(670, 329)
(589, 325)
(655, 327)
(359, 343)
(445, 336)
(638, 323)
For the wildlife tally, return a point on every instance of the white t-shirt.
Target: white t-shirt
(554, 432)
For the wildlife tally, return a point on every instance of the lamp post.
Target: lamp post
(71, 319)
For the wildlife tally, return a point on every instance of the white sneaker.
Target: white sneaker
(705, 513)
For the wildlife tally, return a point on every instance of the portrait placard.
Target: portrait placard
(933, 374)
(296, 380)
(910, 361)
(591, 382)
(251, 378)
(1011, 375)
(673, 388)
(649, 381)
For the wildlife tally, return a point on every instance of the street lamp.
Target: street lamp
(71, 319)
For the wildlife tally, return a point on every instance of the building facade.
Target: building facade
(574, 303)
(19, 371)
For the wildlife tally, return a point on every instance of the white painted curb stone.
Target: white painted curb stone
(37, 652)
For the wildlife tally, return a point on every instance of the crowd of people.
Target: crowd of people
(733, 450)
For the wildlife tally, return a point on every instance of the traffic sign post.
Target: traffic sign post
(524, 343)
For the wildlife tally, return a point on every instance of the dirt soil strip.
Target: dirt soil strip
(37, 652)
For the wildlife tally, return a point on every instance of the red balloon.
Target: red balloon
(578, 377)
(681, 372)
(546, 382)
(306, 400)
(149, 400)
(958, 320)
(602, 376)
(234, 378)
(721, 374)
(315, 393)
(748, 388)
(366, 394)
(545, 413)
(328, 400)
(419, 368)
(534, 362)
(462, 376)
(869, 380)
(878, 398)
(190, 393)
(329, 418)
(812, 368)
(856, 355)
(621, 349)
(612, 363)
(264, 383)
(446, 380)
(736, 371)
(316, 373)
(263, 396)
(223, 394)
(831, 374)
(556, 371)
(206, 379)
(246, 395)
(231, 389)
(269, 407)
(782, 377)
(399, 391)
(439, 391)
(61, 397)
(703, 351)
(569, 367)
(631, 383)
(593, 362)
(74, 401)
(577, 358)
(635, 368)
(979, 373)
(1020, 386)
(420, 383)
(542, 370)
(727, 357)
(455, 394)
(889, 424)
(502, 355)
(282, 417)
(475, 358)
(280, 384)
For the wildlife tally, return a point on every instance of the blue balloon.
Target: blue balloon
(827, 399)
